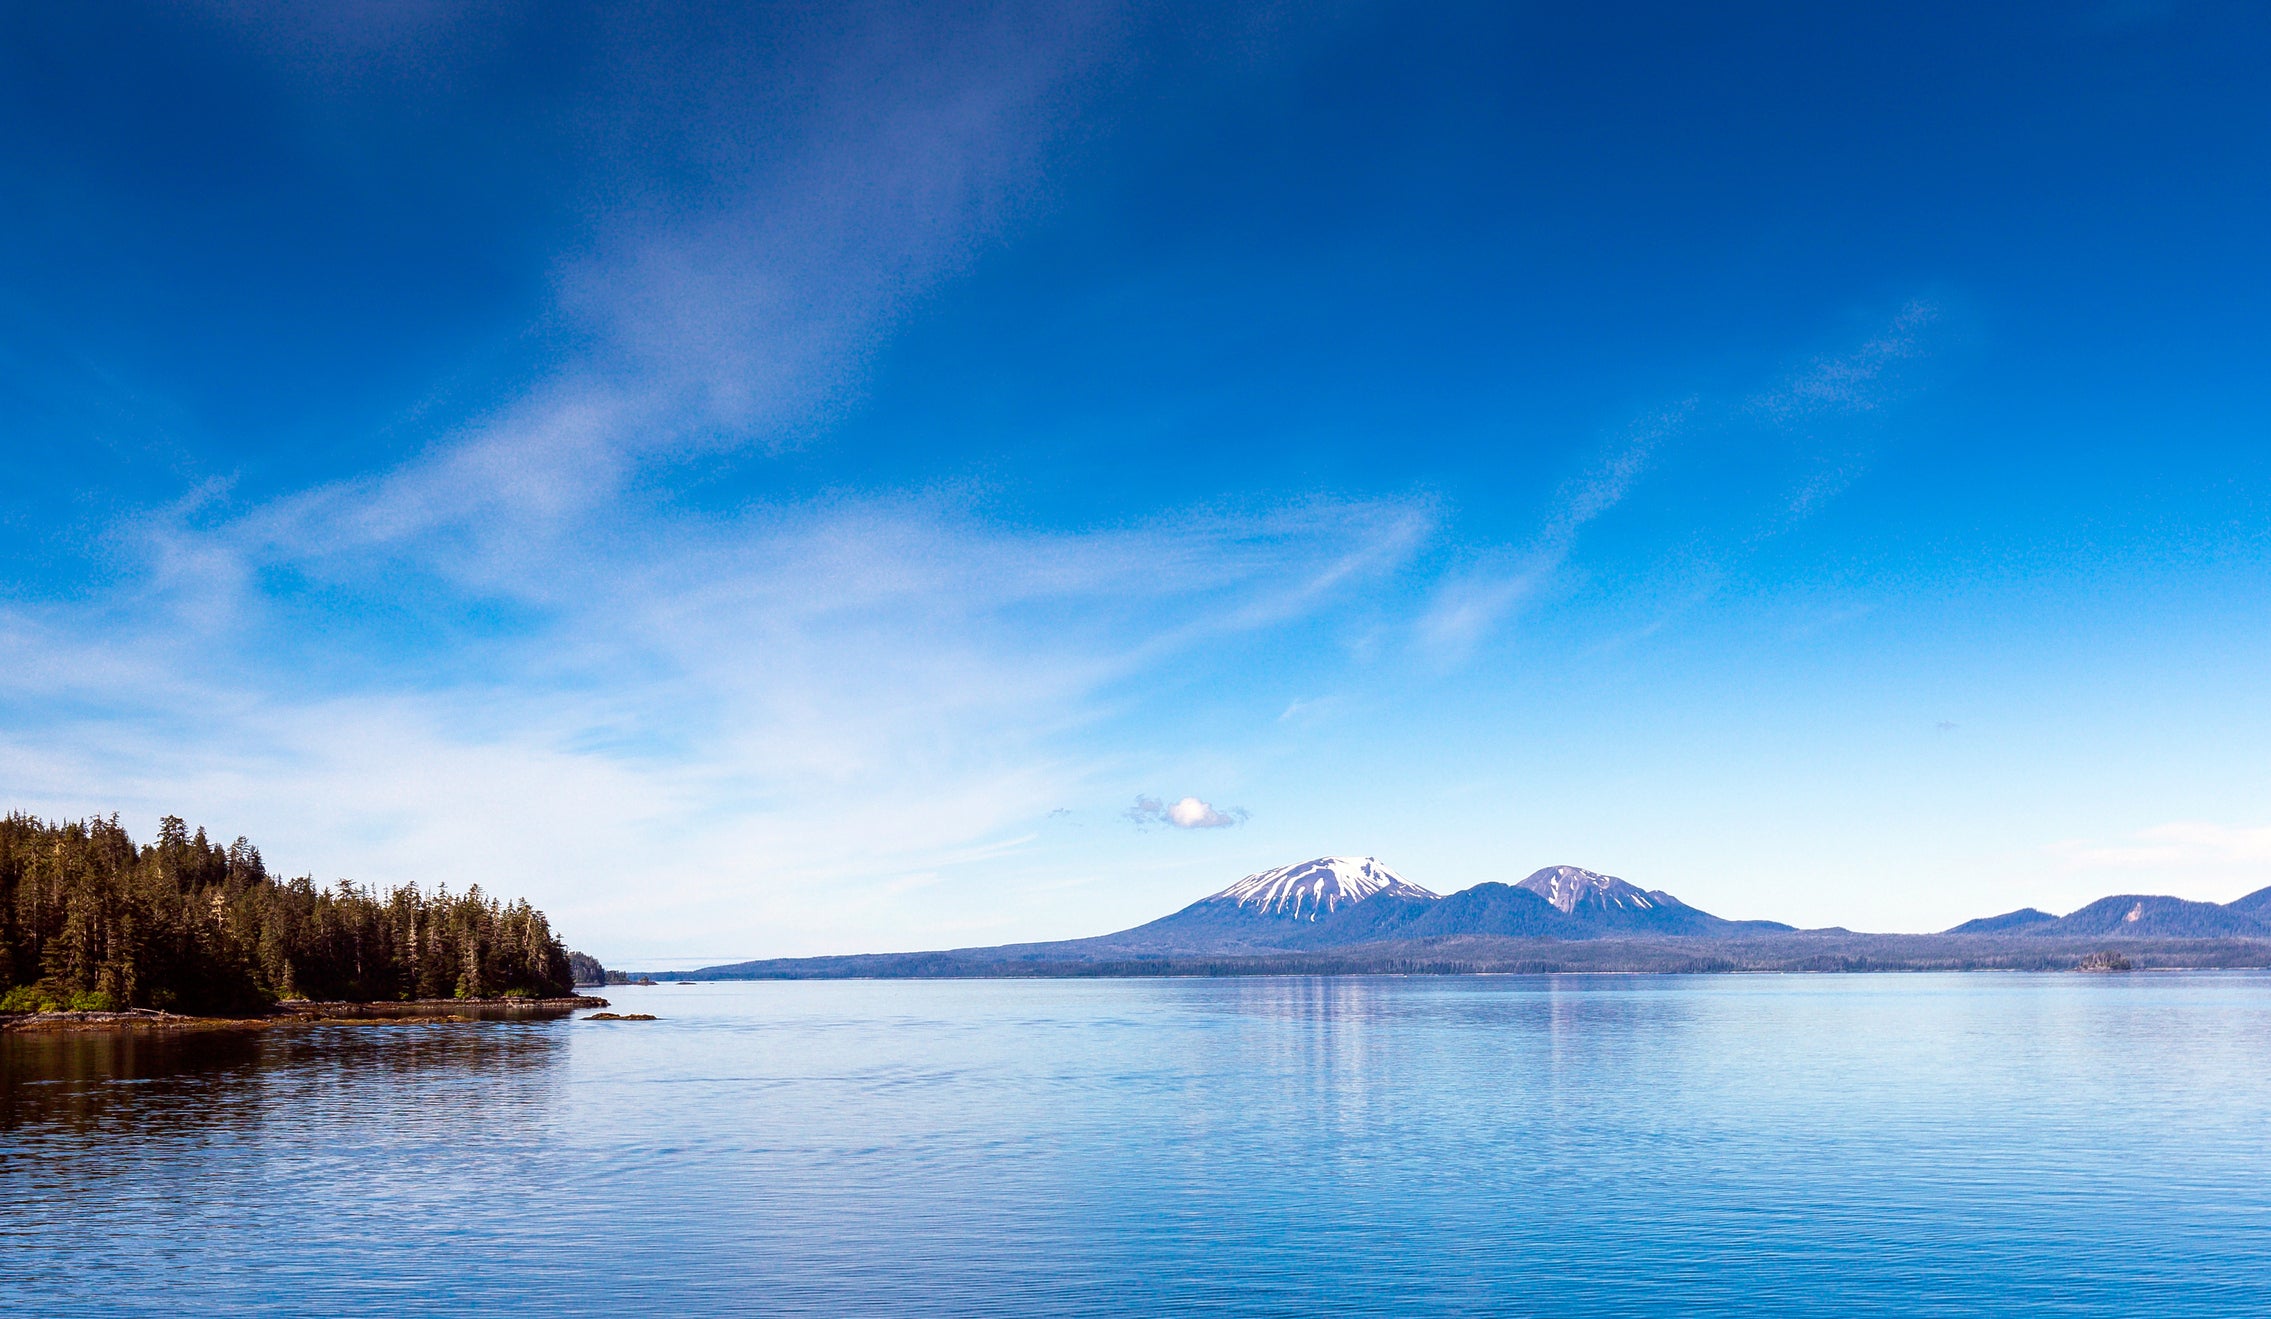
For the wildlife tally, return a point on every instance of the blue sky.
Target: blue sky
(776, 480)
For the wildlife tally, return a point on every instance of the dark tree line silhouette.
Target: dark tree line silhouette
(90, 919)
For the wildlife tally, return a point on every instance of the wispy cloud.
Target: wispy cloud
(1307, 708)
(752, 298)
(1810, 403)
(1858, 380)
(766, 206)
(1832, 391)
(501, 660)
(699, 729)
(1472, 603)
(2181, 845)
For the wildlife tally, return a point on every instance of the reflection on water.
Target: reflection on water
(1593, 1145)
(67, 1086)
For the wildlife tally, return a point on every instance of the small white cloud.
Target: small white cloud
(1189, 813)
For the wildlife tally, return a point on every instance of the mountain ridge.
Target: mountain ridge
(2139, 916)
(1352, 913)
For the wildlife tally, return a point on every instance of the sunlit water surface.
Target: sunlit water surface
(1860, 1145)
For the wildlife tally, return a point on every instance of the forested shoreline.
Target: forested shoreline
(89, 919)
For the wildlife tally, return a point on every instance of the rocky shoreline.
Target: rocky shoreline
(304, 1013)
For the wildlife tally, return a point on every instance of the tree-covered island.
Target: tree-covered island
(91, 920)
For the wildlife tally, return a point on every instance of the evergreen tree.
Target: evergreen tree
(89, 919)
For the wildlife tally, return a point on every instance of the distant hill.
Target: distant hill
(2138, 916)
(1342, 915)
(2023, 918)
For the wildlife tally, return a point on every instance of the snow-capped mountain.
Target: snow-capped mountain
(1317, 888)
(1363, 916)
(1607, 903)
(1338, 901)
(1569, 888)
(1311, 903)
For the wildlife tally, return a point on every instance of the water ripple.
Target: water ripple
(1863, 1145)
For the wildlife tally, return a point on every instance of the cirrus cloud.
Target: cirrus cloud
(2179, 844)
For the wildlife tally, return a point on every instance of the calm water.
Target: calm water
(1894, 1145)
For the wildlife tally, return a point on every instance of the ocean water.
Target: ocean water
(1773, 1145)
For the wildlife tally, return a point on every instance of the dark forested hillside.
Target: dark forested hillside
(88, 918)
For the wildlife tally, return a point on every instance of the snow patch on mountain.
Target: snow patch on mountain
(1567, 887)
(1320, 887)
